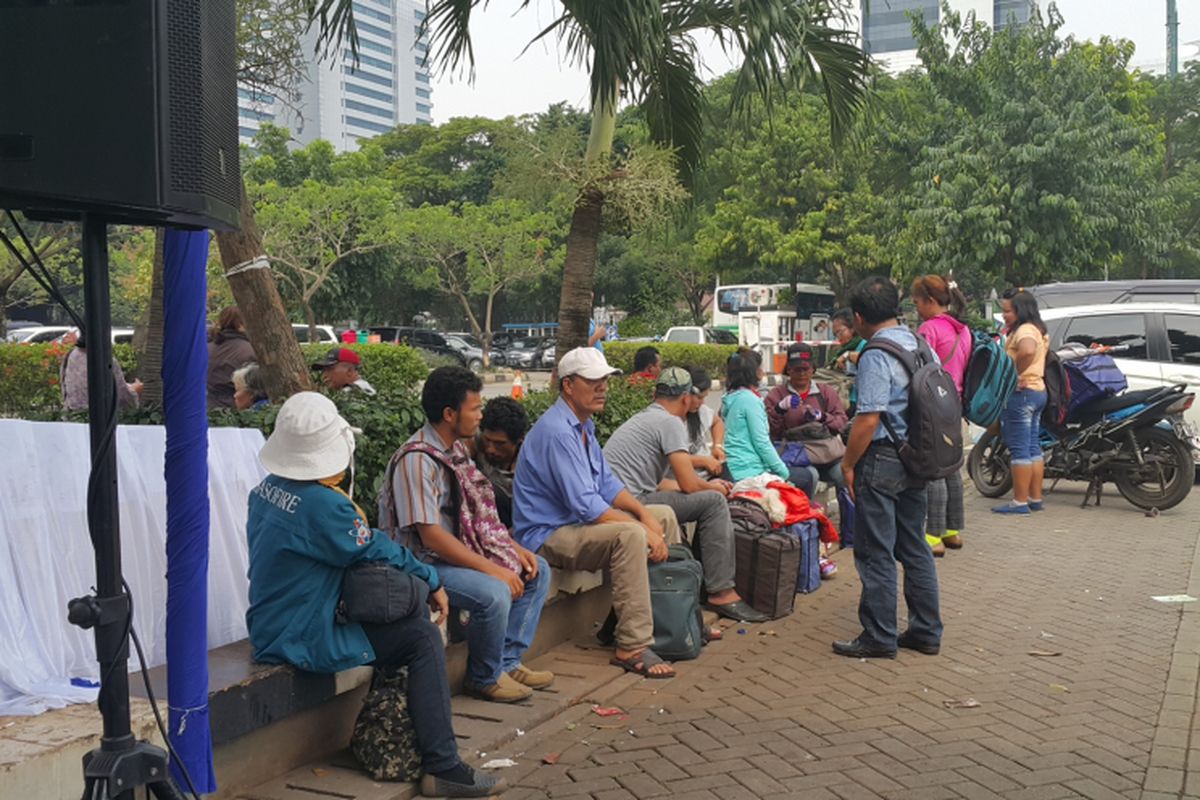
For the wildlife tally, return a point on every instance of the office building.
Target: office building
(886, 26)
(342, 101)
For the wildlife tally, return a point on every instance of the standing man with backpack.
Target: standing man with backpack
(886, 468)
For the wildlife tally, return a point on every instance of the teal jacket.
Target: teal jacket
(748, 447)
(302, 537)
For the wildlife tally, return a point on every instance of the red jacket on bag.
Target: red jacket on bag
(800, 510)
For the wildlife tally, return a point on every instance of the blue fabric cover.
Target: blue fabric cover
(1092, 378)
(184, 373)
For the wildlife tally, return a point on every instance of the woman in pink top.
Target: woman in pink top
(940, 305)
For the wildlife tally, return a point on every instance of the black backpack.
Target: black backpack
(1058, 394)
(934, 447)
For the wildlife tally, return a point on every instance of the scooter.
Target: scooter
(1136, 440)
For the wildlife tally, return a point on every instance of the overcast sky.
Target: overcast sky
(507, 82)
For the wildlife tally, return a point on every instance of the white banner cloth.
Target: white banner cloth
(46, 555)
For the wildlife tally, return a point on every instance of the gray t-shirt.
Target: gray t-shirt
(637, 451)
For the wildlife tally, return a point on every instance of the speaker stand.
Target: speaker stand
(120, 764)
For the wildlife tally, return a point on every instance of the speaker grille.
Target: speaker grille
(202, 99)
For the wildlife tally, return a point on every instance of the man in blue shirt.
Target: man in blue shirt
(570, 508)
(889, 505)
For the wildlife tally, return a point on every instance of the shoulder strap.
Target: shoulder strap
(425, 448)
(906, 357)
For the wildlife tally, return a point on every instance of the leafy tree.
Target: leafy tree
(313, 228)
(1043, 167)
(55, 243)
(644, 50)
(472, 253)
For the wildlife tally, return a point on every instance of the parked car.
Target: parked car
(472, 350)
(1160, 342)
(524, 352)
(547, 354)
(324, 334)
(420, 338)
(1088, 293)
(40, 334)
(695, 334)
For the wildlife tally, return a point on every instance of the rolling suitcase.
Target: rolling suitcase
(808, 534)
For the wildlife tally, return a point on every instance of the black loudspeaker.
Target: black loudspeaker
(126, 108)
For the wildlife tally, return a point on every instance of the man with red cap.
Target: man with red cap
(339, 371)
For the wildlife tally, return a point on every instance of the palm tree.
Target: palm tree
(644, 51)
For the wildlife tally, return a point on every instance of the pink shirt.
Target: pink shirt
(942, 332)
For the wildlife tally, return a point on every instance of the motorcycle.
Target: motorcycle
(1136, 440)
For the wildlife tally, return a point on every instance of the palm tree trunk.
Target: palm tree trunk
(579, 268)
(267, 325)
(149, 348)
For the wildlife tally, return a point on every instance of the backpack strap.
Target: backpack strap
(912, 361)
(425, 448)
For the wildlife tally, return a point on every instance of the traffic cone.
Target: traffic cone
(518, 387)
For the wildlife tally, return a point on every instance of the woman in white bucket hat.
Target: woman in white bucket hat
(304, 531)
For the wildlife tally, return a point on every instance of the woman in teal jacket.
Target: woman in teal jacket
(748, 448)
(303, 532)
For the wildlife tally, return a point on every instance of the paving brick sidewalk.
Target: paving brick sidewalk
(773, 713)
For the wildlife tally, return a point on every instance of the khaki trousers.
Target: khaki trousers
(621, 548)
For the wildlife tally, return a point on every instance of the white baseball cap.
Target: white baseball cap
(310, 441)
(586, 362)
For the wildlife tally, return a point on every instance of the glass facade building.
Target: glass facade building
(343, 99)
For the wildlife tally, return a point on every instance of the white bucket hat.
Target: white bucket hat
(310, 441)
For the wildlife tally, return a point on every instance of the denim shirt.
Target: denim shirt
(882, 382)
(558, 480)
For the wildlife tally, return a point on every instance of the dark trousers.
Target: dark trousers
(416, 643)
(889, 520)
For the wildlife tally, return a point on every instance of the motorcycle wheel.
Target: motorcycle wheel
(1166, 476)
(989, 467)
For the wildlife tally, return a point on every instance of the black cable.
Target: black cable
(162, 729)
(46, 281)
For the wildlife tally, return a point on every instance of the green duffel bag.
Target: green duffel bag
(675, 602)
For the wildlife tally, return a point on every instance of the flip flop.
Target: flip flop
(641, 664)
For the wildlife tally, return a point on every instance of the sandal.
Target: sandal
(641, 664)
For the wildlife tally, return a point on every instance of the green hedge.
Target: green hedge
(624, 400)
(710, 356)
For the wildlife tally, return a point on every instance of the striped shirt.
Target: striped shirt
(421, 485)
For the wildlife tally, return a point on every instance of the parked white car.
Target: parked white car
(325, 334)
(694, 334)
(1160, 341)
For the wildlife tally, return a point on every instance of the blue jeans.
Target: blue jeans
(1022, 425)
(804, 478)
(501, 629)
(889, 520)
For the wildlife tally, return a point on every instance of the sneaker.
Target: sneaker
(480, 786)
(1036, 505)
(505, 690)
(1011, 508)
(533, 678)
(828, 569)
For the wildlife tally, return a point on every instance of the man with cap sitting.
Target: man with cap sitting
(339, 371)
(304, 532)
(570, 508)
(642, 450)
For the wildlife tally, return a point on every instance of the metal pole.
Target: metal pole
(103, 522)
(1172, 39)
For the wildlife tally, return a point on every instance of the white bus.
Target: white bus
(810, 299)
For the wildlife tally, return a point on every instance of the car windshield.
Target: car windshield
(525, 344)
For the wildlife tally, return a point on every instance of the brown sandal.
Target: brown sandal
(641, 664)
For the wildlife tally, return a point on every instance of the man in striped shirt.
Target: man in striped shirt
(505, 606)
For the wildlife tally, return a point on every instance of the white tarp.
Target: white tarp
(46, 555)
